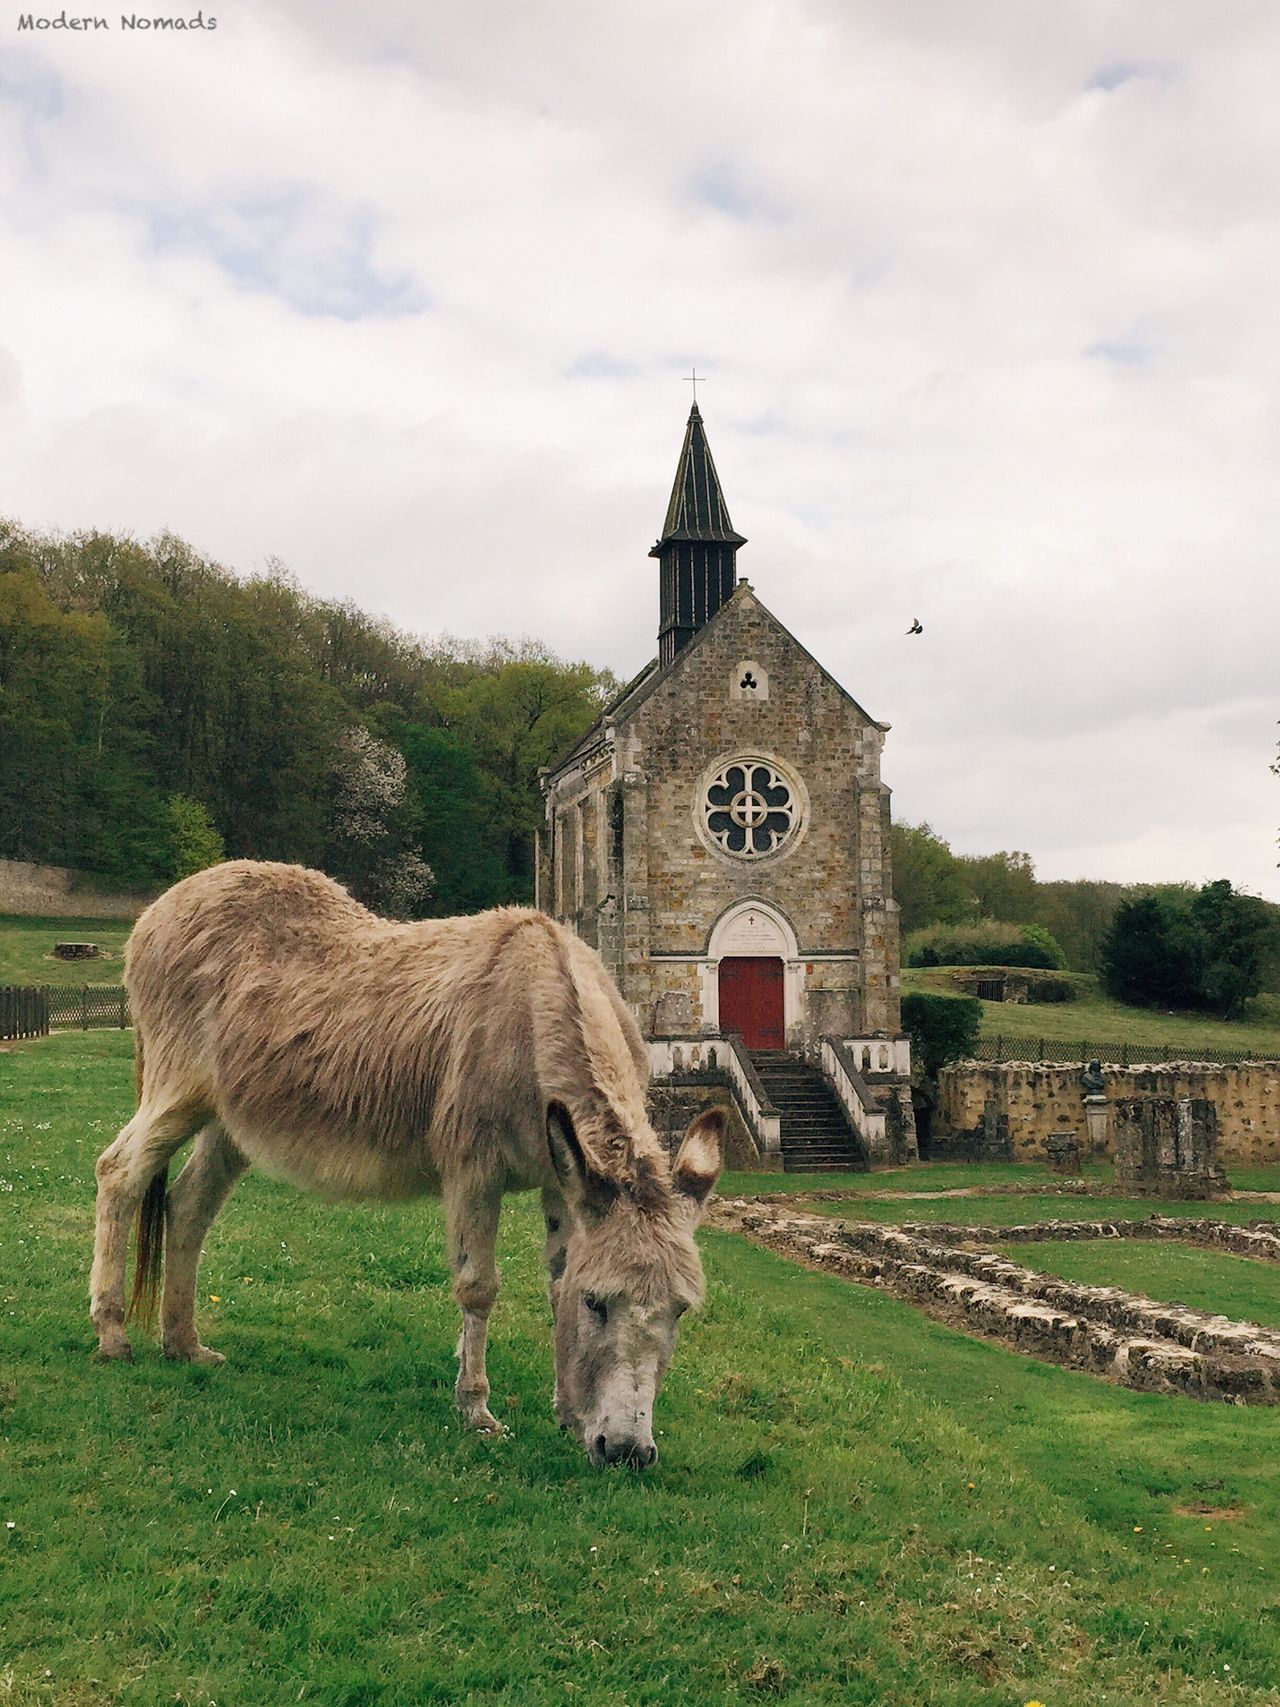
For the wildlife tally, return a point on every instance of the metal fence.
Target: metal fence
(1113, 1053)
(34, 1011)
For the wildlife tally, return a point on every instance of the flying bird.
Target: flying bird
(917, 627)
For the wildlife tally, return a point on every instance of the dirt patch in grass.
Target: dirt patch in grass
(1215, 1513)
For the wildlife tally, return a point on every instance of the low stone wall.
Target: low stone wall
(1118, 1335)
(56, 892)
(1040, 1100)
(674, 1103)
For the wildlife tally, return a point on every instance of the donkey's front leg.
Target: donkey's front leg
(471, 1224)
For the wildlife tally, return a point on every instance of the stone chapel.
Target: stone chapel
(721, 836)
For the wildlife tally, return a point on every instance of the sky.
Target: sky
(403, 296)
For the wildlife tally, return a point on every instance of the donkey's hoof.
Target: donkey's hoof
(483, 1421)
(114, 1351)
(194, 1354)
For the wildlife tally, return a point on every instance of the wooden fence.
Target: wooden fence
(24, 1012)
(31, 1011)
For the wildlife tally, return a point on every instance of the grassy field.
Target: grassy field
(26, 950)
(853, 1504)
(1176, 1274)
(1093, 1016)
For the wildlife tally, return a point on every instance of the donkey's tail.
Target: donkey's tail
(149, 1255)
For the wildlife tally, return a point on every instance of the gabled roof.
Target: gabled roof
(627, 702)
(697, 509)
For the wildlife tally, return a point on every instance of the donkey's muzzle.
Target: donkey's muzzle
(622, 1449)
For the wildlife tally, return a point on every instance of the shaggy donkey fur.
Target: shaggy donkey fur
(286, 1026)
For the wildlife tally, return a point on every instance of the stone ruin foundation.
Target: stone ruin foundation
(1062, 1152)
(1168, 1147)
(1102, 1330)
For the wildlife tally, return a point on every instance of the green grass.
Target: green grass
(853, 1504)
(1094, 1017)
(1005, 1211)
(1176, 1274)
(26, 950)
(934, 1176)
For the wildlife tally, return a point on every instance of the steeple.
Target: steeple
(697, 549)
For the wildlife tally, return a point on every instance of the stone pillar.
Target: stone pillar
(1168, 1147)
(993, 1133)
(1096, 1122)
(1062, 1152)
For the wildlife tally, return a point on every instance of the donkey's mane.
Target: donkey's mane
(619, 1168)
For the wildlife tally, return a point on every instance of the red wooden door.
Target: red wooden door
(751, 1000)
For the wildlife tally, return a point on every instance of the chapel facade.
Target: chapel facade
(721, 833)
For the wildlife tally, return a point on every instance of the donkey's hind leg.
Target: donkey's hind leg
(471, 1226)
(213, 1170)
(125, 1169)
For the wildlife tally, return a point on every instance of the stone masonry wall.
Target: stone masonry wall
(1042, 1100)
(834, 885)
(55, 892)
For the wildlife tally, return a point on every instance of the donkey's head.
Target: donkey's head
(631, 1271)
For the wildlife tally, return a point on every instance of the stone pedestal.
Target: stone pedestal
(1062, 1152)
(993, 1134)
(1168, 1147)
(1096, 1121)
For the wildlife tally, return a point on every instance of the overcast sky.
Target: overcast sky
(402, 294)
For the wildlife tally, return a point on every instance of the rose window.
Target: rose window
(750, 809)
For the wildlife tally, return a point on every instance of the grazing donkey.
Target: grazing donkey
(280, 1023)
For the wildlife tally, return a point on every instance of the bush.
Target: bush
(941, 1029)
(989, 944)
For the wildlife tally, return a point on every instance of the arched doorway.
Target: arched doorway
(752, 1001)
(753, 978)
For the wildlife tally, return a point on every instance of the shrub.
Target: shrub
(990, 943)
(941, 1029)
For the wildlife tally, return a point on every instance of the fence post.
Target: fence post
(122, 1007)
(84, 1007)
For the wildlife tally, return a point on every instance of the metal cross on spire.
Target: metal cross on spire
(695, 379)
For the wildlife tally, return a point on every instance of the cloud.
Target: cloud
(404, 296)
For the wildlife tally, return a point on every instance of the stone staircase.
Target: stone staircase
(815, 1131)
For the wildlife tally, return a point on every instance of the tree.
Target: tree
(928, 882)
(369, 845)
(193, 837)
(1003, 885)
(1079, 915)
(1149, 957)
(1176, 949)
(1238, 932)
(515, 708)
(452, 820)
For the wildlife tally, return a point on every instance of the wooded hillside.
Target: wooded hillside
(155, 706)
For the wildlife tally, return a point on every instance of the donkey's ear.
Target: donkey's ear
(566, 1152)
(700, 1158)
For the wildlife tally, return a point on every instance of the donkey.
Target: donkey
(281, 1023)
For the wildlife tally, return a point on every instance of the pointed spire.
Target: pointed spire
(697, 509)
(697, 550)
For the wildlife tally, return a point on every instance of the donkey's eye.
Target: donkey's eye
(597, 1306)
